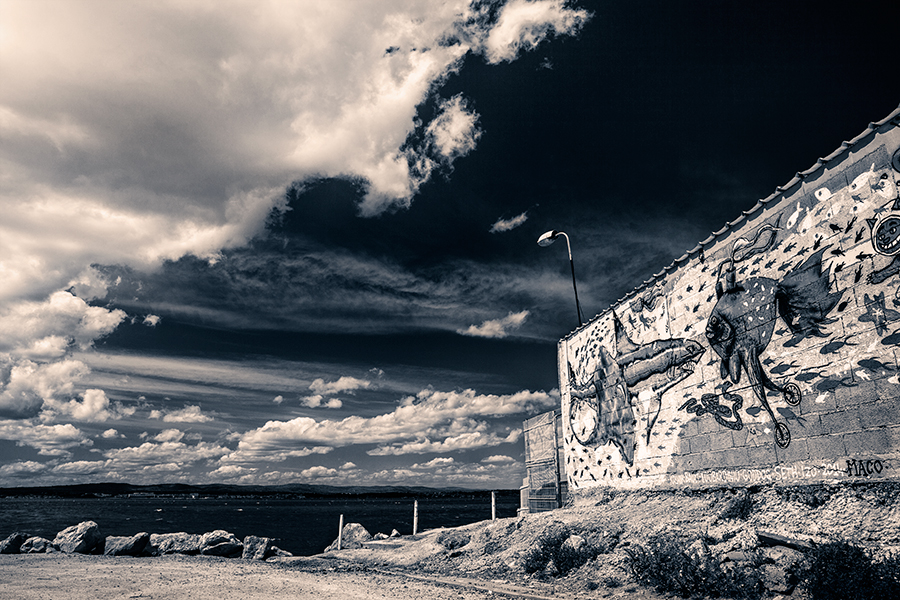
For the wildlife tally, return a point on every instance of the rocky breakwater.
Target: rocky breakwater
(86, 538)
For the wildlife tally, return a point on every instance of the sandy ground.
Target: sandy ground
(60, 576)
(481, 560)
(77, 577)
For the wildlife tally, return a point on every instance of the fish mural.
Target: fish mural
(602, 410)
(768, 354)
(741, 324)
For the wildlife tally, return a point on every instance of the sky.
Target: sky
(283, 242)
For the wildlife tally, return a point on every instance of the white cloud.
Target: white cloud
(45, 330)
(498, 459)
(316, 401)
(81, 467)
(48, 440)
(28, 468)
(431, 421)
(278, 399)
(509, 224)
(151, 320)
(318, 472)
(169, 435)
(164, 456)
(464, 441)
(94, 407)
(110, 157)
(110, 434)
(433, 463)
(25, 385)
(188, 414)
(344, 384)
(249, 454)
(496, 328)
(523, 24)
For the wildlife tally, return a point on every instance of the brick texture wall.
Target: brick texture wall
(769, 353)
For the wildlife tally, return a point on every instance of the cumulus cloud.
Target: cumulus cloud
(251, 454)
(163, 456)
(453, 443)
(496, 328)
(169, 435)
(431, 421)
(321, 389)
(343, 384)
(188, 414)
(509, 224)
(47, 329)
(25, 385)
(110, 434)
(498, 459)
(523, 24)
(151, 320)
(48, 440)
(132, 161)
(23, 469)
(94, 407)
(317, 400)
(278, 399)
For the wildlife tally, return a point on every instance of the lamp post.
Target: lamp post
(547, 239)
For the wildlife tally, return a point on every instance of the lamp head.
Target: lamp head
(548, 238)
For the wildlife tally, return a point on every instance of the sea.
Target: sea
(302, 526)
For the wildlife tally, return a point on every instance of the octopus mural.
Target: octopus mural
(885, 235)
(741, 324)
(602, 410)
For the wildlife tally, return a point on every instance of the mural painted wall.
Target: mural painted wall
(768, 353)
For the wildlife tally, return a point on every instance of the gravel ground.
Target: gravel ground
(78, 577)
(486, 559)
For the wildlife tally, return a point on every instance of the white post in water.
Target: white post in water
(415, 516)
(493, 506)
(340, 531)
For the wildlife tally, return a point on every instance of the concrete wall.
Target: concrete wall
(769, 353)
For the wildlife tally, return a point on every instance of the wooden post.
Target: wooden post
(415, 516)
(340, 531)
(493, 506)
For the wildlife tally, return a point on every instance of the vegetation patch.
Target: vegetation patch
(843, 571)
(671, 566)
(739, 507)
(565, 550)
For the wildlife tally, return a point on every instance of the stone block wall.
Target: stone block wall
(768, 353)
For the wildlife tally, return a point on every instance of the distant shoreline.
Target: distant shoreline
(186, 491)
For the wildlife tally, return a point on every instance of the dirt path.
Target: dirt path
(78, 577)
(174, 577)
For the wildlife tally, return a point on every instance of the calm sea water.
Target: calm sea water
(302, 526)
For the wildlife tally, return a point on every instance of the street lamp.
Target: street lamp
(547, 239)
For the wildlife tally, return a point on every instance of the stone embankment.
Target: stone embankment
(86, 538)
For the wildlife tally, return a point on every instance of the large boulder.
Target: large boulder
(174, 543)
(83, 538)
(352, 536)
(12, 544)
(220, 543)
(37, 545)
(127, 546)
(257, 548)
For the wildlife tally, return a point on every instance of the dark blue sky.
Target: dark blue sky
(638, 129)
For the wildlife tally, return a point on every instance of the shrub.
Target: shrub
(668, 565)
(451, 540)
(738, 508)
(841, 571)
(552, 547)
